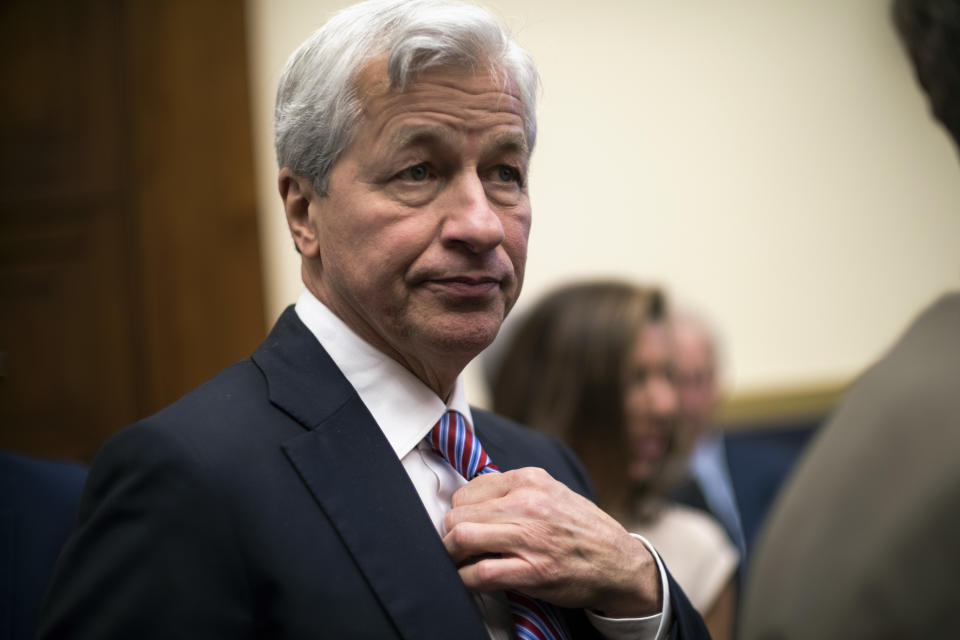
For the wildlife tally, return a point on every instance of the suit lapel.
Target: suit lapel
(506, 458)
(355, 477)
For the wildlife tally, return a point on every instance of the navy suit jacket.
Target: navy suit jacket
(38, 506)
(267, 503)
(758, 463)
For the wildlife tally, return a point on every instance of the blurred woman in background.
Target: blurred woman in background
(591, 365)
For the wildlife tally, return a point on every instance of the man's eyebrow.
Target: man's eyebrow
(512, 142)
(426, 136)
(418, 137)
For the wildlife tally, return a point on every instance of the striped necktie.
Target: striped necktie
(451, 440)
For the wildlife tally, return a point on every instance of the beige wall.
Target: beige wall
(772, 163)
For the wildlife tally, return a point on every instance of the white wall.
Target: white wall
(772, 163)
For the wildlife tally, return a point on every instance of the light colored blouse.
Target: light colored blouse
(695, 549)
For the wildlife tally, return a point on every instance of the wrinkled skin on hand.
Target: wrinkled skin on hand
(522, 530)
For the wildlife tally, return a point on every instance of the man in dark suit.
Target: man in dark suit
(295, 495)
(709, 485)
(735, 476)
(877, 497)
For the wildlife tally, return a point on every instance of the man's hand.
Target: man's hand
(523, 530)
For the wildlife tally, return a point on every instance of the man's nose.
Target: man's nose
(470, 219)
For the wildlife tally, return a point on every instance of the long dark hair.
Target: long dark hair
(563, 373)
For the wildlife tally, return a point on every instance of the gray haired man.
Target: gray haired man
(297, 494)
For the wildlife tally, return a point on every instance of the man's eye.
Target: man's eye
(416, 173)
(507, 174)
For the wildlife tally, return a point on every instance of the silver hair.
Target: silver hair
(317, 110)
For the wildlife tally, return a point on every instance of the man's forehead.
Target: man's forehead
(372, 82)
(372, 79)
(419, 135)
(438, 104)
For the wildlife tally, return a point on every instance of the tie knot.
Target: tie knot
(455, 443)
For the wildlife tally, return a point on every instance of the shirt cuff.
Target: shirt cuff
(647, 628)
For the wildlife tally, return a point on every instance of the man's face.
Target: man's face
(696, 381)
(651, 401)
(421, 241)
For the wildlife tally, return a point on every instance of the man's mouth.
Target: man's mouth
(465, 286)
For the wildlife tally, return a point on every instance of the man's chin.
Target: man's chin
(462, 333)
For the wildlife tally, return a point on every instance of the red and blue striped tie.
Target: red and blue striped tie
(451, 440)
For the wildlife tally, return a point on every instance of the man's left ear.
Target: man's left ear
(297, 193)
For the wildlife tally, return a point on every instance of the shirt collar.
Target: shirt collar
(708, 455)
(403, 406)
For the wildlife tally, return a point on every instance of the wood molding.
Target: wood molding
(771, 406)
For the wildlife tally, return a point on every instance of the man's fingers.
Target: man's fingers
(482, 488)
(516, 496)
(495, 485)
(496, 510)
(489, 574)
(470, 540)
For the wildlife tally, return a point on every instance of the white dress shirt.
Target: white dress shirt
(406, 410)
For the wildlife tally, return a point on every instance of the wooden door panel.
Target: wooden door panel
(129, 260)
